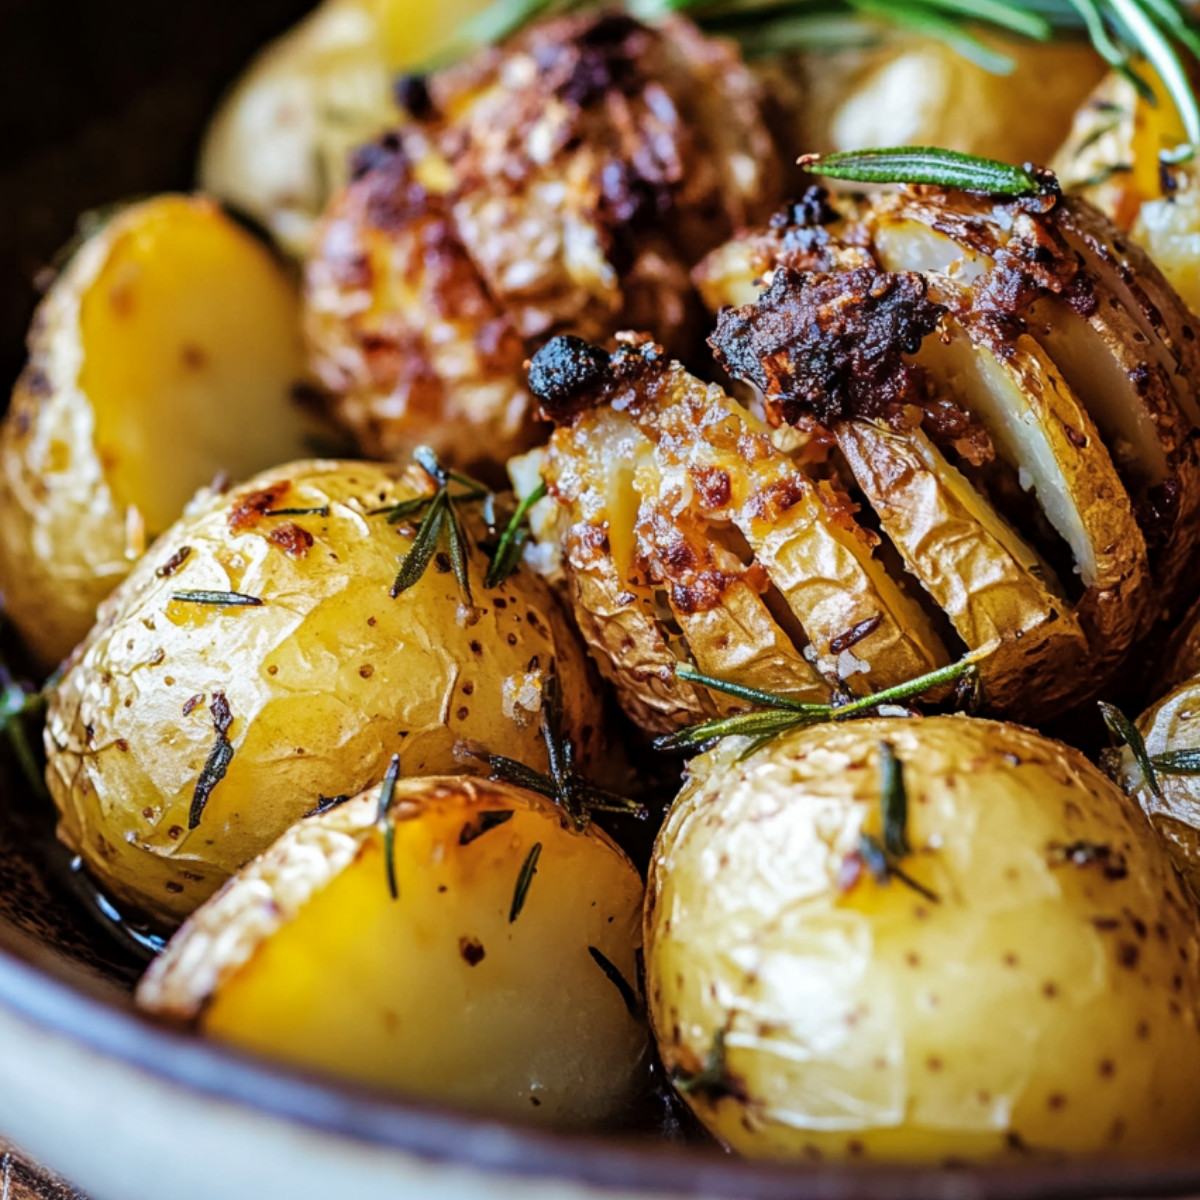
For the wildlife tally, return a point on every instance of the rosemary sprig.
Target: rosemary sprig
(524, 879)
(929, 164)
(781, 713)
(712, 1080)
(383, 818)
(572, 792)
(1161, 32)
(516, 533)
(1168, 762)
(439, 524)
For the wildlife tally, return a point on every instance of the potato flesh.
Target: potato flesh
(437, 993)
(167, 351)
(325, 680)
(1042, 1005)
(189, 374)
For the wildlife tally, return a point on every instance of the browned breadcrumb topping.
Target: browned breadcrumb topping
(830, 345)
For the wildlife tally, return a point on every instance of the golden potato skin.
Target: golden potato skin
(305, 957)
(324, 681)
(280, 144)
(1046, 1003)
(167, 351)
(567, 180)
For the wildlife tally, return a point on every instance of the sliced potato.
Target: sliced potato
(1029, 987)
(501, 975)
(167, 352)
(255, 661)
(978, 570)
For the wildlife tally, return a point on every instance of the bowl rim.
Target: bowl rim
(65, 1000)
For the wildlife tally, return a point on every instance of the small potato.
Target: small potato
(1031, 988)
(168, 350)
(914, 91)
(1171, 726)
(280, 144)
(478, 983)
(188, 734)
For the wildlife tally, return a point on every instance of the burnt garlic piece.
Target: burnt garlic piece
(566, 181)
(448, 937)
(978, 951)
(1042, 377)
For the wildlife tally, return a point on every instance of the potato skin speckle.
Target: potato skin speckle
(1038, 1012)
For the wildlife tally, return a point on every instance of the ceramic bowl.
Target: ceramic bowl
(101, 102)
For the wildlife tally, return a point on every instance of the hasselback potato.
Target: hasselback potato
(567, 180)
(990, 443)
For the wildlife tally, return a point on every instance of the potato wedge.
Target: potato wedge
(166, 353)
(254, 662)
(500, 976)
(1022, 980)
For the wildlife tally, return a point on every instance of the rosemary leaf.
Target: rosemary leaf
(1126, 734)
(1177, 762)
(628, 995)
(218, 599)
(323, 511)
(760, 726)
(524, 879)
(383, 817)
(753, 695)
(512, 541)
(508, 770)
(929, 164)
(926, 21)
(218, 762)
(420, 554)
(458, 552)
(894, 800)
(962, 669)
(405, 509)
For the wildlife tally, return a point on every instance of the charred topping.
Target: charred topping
(248, 510)
(412, 95)
(565, 374)
(830, 345)
(219, 759)
(628, 995)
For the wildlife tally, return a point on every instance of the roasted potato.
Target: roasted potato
(567, 180)
(905, 90)
(167, 351)
(998, 962)
(1112, 158)
(1172, 801)
(254, 662)
(500, 975)
(280, 144)
(1051, 416)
